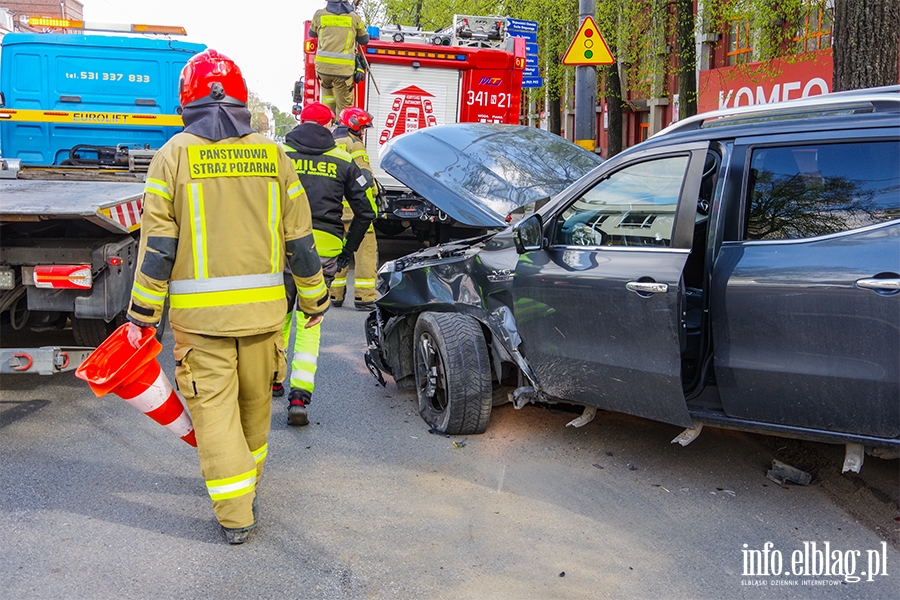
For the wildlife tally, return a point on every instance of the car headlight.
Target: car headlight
(388, 267)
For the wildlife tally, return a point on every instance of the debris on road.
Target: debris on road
(782, 473)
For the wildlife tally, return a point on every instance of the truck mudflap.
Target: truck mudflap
(46, 360)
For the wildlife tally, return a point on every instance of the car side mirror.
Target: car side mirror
(529, 234)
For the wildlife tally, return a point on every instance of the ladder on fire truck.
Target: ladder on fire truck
(467, 31)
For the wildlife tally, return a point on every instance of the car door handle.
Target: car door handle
(879, 284)
(647, 287)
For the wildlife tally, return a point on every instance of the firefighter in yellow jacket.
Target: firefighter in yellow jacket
(338, 30)
(348, 136)
(223, 213)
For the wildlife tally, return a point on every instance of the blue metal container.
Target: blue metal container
(65, 90)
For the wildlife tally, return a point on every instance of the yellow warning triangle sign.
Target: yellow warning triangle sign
(588, 47)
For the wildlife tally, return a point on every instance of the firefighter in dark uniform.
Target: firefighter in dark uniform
(338, 30)
(328, 175)
(348, 136)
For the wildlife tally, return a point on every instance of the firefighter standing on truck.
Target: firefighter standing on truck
(223, 213)
(328, 175)
(348, 136)
(339, 30)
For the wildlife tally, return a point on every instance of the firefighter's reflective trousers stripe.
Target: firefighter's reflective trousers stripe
(305, 358)
(336, 91)
(365, 271)
(227, 383)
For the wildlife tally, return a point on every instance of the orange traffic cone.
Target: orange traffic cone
(134, 375)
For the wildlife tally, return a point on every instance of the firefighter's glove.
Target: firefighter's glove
(359, 71)
(343, 259)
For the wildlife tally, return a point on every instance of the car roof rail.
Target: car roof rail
(803, 107)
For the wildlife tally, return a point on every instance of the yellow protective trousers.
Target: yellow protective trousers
(336, 91)
(227, 383)
(365, 271)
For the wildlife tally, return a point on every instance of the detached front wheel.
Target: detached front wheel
(453, 373)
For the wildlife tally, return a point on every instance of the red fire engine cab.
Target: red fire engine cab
(469, 72)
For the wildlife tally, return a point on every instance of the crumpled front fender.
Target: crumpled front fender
(477, 284)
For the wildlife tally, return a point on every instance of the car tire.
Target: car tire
(92, 332)
(453, 373)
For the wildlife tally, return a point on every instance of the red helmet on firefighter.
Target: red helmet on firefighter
(355, 119)
(318, 112)
(210, 77)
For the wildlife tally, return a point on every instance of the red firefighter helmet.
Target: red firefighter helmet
(318, 112)
(211, 77)
(355, 119)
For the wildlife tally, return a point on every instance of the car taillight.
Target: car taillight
(63, 277)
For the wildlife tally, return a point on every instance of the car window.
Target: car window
(634, 206)
(798, 191)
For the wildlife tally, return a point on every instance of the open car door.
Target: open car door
(598, 306)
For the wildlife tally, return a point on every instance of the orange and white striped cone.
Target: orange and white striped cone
(134, 375)
(153, 395)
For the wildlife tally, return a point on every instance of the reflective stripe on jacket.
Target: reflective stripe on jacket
(328, 178)
(354, 146)
(221, 219)
(337, 38)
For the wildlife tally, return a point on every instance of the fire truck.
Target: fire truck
(80, 119)
(468, 72)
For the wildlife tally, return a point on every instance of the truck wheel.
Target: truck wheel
(92, 332)
(453, 373)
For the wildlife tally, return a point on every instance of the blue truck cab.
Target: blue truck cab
(65, 91)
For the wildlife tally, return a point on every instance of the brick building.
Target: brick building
(63, 9)
(728, 74)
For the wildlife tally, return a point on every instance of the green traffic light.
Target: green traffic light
(588, 54)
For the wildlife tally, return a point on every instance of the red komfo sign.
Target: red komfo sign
(777, 80)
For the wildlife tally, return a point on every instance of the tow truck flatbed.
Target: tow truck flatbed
(62, 199)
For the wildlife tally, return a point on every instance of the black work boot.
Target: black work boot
(337, 303)
(240, 535)
(277, 390)
(297, 409)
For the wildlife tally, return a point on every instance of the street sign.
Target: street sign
(588, 47)
(528, 31)
(520, 25)
(528, 36)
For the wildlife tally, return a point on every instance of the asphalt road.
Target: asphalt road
(98, 501)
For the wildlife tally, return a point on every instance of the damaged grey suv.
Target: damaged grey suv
(740, 269)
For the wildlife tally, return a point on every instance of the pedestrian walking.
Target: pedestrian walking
(223, 214)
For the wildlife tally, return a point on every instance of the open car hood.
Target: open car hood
(478, 173)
